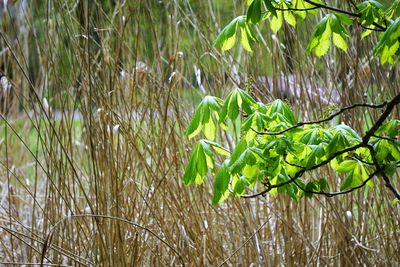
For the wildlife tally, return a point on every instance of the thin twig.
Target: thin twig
(364, 143)
(329, 118)
(50, 234)
(244, 243)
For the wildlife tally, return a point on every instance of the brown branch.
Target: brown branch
(329, 118)
(379, 168)
(332, 194)
(338, 10)
(364, 143)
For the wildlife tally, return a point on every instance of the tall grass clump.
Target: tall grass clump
(92, 148)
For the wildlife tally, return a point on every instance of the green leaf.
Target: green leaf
(390, 129)
(244, 39)
(388, 44)
(250, 171)
(339, 41)
(355, 177)
(221, 184)
(254, 12)
(218, 148)
(280, 107)
(194, 127)
(339, 142)
(351, 136)
(348, 182)
(190, 171)
(210, 129)
(201, 165)
(289, 18)
(276, 22)
(320, 41)
(240, 185)
(236, 99)
(203, 116)
(291, 190)
(239, 149)
(227, 37)
(323, 184)
(200, 160)
(310, 188)
(247, 101)
(319, 30)
(230, 107)
(346, 166)
(270, 7)
(228, 43)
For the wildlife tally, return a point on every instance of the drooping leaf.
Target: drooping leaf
(254, 11)
(221, 184)
(270, 7)
(388, 44)
(194, 127)
(244, 39)
(276, 22)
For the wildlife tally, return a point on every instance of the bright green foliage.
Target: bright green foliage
(332, 28)
(275, 153)
(203, 118)
(227, 38)
(264, 156)
(388, 45)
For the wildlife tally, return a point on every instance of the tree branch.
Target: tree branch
(332, 116)
(364, 143)
(332, 194)
(352, 14)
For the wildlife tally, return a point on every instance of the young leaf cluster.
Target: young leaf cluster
(274, 150)
(372, 15)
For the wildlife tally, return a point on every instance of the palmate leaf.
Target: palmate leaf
(388, 44)
(391, 129)
(282, 108)
(227, 37)
(203, 118)
(200, 161)
(338, 143)
(237, 99)
(318, 34)
(350, 134)
(355, 177)
(330, 27)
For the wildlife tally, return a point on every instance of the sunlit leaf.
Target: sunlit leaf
(221, 184)
(276, 22)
